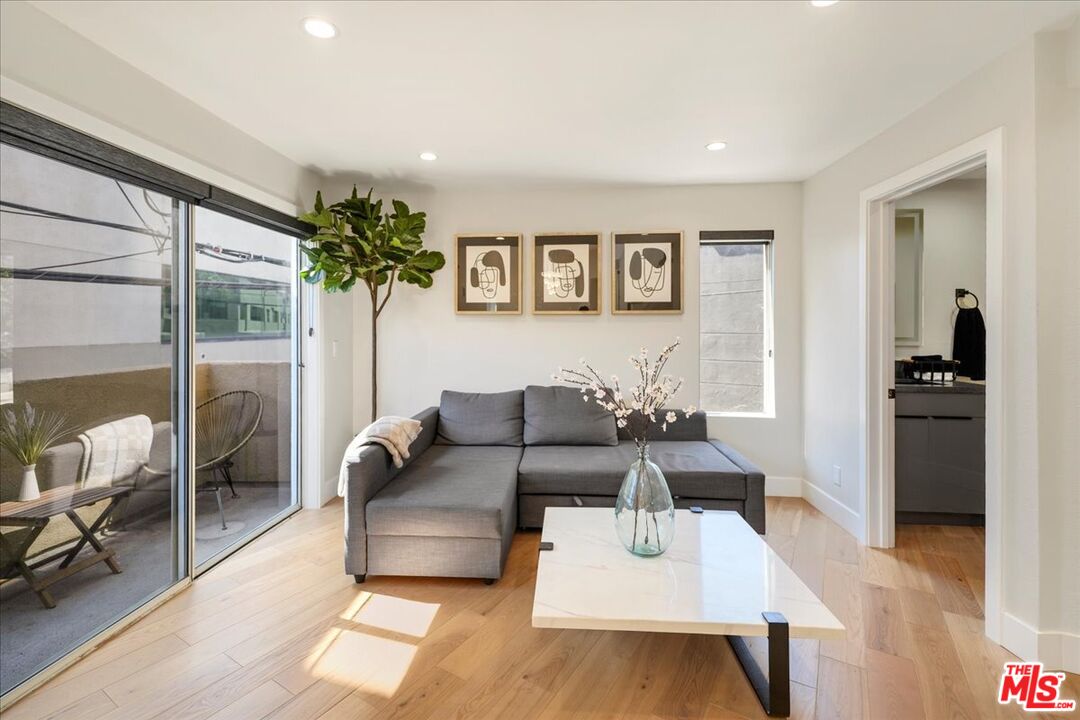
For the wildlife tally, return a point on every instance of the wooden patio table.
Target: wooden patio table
(36, 514)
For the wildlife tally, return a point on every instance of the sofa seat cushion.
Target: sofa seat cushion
(692, 468)
(449, 491)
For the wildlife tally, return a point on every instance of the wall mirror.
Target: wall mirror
(908, 277)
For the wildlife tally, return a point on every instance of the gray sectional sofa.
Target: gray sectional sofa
(487, 463)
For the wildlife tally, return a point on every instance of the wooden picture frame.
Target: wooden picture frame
(658, 257)
(488, 274)
(574, 274)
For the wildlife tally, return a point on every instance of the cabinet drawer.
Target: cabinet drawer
(940, 405)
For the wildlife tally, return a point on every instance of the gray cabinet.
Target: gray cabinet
(940, 455)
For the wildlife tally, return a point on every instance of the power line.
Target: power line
(89, 262)
(104, 279)
(225, 254)
(131, 204)
(31, 211)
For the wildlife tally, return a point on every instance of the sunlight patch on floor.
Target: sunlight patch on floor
(358, 660)
(408, 617)
(356, 605)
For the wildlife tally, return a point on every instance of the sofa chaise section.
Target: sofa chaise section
(754, 506)
(367, 475)
(450, 513)
(451, 510)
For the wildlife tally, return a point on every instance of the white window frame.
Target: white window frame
(748, 237)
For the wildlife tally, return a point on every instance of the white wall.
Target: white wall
(954, 256)
(1057, 153)
(49, 69)
(425, 347)
(1002, 94)
(334, 335)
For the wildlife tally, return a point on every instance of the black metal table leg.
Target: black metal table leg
(774, 689)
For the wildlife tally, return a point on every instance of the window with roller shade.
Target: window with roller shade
(736, 344)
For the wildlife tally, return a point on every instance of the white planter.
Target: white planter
(29, 488)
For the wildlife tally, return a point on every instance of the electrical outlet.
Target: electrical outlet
(836, 475)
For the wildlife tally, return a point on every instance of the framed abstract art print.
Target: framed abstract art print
(647, 272)
(488, 274)
(566, 274)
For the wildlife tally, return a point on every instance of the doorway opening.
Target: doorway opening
(939, 274)
(901, 317)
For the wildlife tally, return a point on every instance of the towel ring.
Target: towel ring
(960, 292)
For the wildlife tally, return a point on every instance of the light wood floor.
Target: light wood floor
(279, 631)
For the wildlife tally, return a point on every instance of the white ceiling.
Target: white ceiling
(561, 92)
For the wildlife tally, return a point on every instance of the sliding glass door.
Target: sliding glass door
(149, 386)
(245, 380)
(90, 275)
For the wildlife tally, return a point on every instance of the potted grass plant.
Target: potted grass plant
(27, 434)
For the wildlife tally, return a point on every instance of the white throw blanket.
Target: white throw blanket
(392, 432)
(115, 451)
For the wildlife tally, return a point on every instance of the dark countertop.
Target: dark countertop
(959, 387)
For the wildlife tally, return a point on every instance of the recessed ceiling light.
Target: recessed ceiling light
(319, 28)
(823, 3)
(429, 156)
(716, 146)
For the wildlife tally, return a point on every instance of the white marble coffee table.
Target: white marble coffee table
(718, 577)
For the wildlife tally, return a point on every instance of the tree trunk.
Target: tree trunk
(374, 358)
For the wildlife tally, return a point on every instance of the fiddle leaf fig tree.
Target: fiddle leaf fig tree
(354, 241)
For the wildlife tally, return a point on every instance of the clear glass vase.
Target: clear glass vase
(644, 510)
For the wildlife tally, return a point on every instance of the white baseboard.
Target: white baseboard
(329, 490)
(1060, 651)
(835, 510)
(1070, 653)
(1019, 638)
(783, 486)
(838, 512)
(1055, 650)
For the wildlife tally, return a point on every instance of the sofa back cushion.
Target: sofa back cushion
(481, 418)
(685, 428)
(557, 416)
